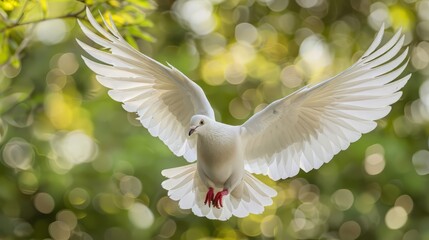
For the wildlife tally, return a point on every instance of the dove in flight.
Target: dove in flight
(301, 131)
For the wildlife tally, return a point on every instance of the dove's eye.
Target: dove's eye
(202, 122)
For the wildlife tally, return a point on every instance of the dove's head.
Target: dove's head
(198, 123)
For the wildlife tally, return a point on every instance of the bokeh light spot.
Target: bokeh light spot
(44, 203)
(168, 229)
(250, 226)
(28, 183)
(194, 233)
(396, 217)
(308, 3)
(141, 216)
(130, 186)
(23, 230)
(424, 92)
(242, 53)
(421, 162)
(213, 44)
(237, 109)
(18, 153)
(59, 230)
(278, 5)
(270, 225)
(10, 71)
(379, 15)
(406, 202)
(79, 198)
(291, 77)
(374, 163)
(350, 230)
(343, 199)
(401, 17)
(235, 73)
(422, 8)
(75, 147)
(365, 203)
(166, 206)
(316, 55)
(106, 203)
(56, 80)
(67, 217)
(68, 63)
(413, 234)
(51, 32)
(211, 72)
(420, 55)
(197, 14)
(246, 33)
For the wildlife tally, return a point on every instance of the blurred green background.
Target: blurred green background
(75, 165)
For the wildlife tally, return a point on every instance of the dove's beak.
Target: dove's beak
(192, 130)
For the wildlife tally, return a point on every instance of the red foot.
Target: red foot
(209, 197)
(217, 201)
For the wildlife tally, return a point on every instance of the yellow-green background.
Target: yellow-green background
(74, 164)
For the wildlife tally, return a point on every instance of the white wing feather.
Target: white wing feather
(164, 98)
(308, 127)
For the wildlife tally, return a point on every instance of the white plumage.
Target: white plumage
(301, 131)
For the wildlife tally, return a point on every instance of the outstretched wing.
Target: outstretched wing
(163, 97)
(308, 127)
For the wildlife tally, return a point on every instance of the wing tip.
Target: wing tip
(382, 27)
(86, 60)
(81, 44)
(88, 11)
(407, 78)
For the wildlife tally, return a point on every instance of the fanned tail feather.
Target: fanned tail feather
(185, 186)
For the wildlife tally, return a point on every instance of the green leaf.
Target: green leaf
(146, 37)
(44, 6)
(8, 102)
(9, 5)
(137, 32)
(4, 49)
(131, 40)
(145, 23)
(4, 83)
(3, 19)
(15, 62)
(143, 4)
(32, 12)
(3, 129)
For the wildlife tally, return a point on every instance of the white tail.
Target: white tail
(184, 185)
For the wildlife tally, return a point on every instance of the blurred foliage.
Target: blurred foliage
(16, 17)
(74, 165)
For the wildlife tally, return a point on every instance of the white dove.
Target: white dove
(300, 131)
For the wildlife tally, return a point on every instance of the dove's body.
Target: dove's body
(301, 131)
(220, 160)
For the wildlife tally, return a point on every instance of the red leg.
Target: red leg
(209, 196)
(217, 201)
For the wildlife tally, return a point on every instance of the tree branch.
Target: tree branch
(22, 13)
(69, 15)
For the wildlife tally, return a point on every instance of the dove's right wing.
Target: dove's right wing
(308, 127)
(164, 98)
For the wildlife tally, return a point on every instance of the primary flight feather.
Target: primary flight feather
(300, 131)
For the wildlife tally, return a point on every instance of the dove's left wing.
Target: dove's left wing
(164, 98)
(308, 127)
